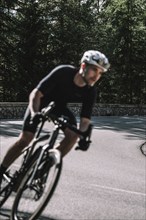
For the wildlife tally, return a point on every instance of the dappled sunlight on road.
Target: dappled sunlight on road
(132, 126)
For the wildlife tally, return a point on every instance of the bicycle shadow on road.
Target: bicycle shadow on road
(5, 215)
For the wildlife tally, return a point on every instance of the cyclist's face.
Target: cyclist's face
(93, 74)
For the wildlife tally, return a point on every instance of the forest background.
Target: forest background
(37, 35)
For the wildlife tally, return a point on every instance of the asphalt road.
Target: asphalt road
(108, 182)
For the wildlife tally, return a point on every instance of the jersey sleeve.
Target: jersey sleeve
(88, 103)
(48, 83)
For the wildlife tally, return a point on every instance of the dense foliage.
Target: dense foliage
(37, 35)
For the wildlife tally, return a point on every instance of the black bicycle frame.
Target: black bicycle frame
(45, 148)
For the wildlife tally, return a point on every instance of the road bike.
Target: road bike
(36, 179)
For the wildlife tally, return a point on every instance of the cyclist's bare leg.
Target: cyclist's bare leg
(26, 137)
(68, 142)
(15, 150)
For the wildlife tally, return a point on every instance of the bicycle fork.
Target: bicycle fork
(43, 150)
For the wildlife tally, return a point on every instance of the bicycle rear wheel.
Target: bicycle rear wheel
(32, 197)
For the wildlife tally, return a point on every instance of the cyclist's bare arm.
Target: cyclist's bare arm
(35, 100)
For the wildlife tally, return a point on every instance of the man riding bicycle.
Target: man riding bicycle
(62, 85)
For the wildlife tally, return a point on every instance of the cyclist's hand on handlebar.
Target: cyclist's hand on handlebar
(85, 142)
(36, 118)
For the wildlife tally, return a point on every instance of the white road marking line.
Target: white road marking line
(119, 190)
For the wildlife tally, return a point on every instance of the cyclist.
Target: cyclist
(63, 84)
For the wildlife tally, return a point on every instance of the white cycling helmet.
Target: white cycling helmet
(96, 58)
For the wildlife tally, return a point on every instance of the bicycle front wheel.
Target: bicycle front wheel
(33, 195)
(5, 189)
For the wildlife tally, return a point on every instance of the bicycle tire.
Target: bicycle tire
(17, 212)
(143, 148)
(7, 184)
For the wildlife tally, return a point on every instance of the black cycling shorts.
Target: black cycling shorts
(56, 111)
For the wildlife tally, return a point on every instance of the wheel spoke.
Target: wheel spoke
(33, 195)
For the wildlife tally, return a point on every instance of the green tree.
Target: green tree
(29, 47)
(123, 22)
(72, 26)
(38, 35)
(8, 64)
(47, 34)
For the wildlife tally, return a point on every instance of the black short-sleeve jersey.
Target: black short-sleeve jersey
(59, 86)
